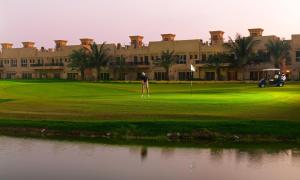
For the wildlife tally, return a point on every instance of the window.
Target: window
(10, 75)
(191, 56)
(204, 57)
(256, 75)
(146, 60)
(232, 76)
(184, 76)
(104, 76)
(13, 63)
(43, 75)
(56, 75)
(160, 76)
(210, 76)
(26, 76)
(181, 59)
(135, 60)
(138, 76)
(24, 62)
(72, 76)
(122, 76)
(297, 56)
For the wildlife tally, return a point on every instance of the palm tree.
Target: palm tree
(99, 57)
(258, 57)
(279, 51)
(217, 60)
(242, 49)
(167, 60)
(79, 60)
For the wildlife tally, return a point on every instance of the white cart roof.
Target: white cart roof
(271, 69)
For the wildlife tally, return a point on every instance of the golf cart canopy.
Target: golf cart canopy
(271, 69)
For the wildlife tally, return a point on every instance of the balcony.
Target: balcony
(130, 65)
(199, 63)
(50, 66)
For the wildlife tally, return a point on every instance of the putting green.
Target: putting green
(60, 100)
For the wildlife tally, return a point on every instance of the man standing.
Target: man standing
(145, 84)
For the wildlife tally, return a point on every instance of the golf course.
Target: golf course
(117, 109)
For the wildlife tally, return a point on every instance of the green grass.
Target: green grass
(44, 100)
(225, 108)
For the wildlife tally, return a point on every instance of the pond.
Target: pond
(34, 159)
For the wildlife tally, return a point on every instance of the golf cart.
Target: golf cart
(272, 77)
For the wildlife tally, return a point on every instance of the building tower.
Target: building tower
(256, 32)
(216, 37)
(28, 44)
(6, 45)
(168, 37)
(60, 43)
(136, 41)
(86, 41)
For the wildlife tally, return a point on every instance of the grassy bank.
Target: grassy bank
(231, 131)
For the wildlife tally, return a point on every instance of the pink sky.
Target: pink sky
(43, 21)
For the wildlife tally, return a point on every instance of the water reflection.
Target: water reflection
(144, 153)
(37, 159)
(216, 154)
(167, 153)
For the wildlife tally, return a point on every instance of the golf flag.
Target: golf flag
(192, 68)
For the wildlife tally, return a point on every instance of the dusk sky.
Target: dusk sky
(43, 21)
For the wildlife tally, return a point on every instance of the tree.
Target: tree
(258, 57)
(79, 60)
(242, 49)
(279, 51)
(167, 60)
(98, 57)
(217, 60)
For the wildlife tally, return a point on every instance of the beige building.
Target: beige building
(30, 62)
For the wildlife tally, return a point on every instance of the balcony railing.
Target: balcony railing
(49, 64)
(129, 64)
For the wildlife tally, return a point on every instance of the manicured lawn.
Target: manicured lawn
(214, 111)
(79, 101)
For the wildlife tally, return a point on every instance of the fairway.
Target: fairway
(75, 101)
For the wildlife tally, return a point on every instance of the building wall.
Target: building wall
(53, 63)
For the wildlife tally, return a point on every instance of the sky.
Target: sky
(112, 21)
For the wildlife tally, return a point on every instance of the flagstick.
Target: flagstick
(191, 83)
(192, 69)
(191, 86)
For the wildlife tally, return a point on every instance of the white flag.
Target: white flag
(192, 68)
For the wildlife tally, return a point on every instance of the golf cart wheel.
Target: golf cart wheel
(280, 84)
(262, 85)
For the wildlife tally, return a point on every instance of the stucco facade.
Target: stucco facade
(30, 62)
